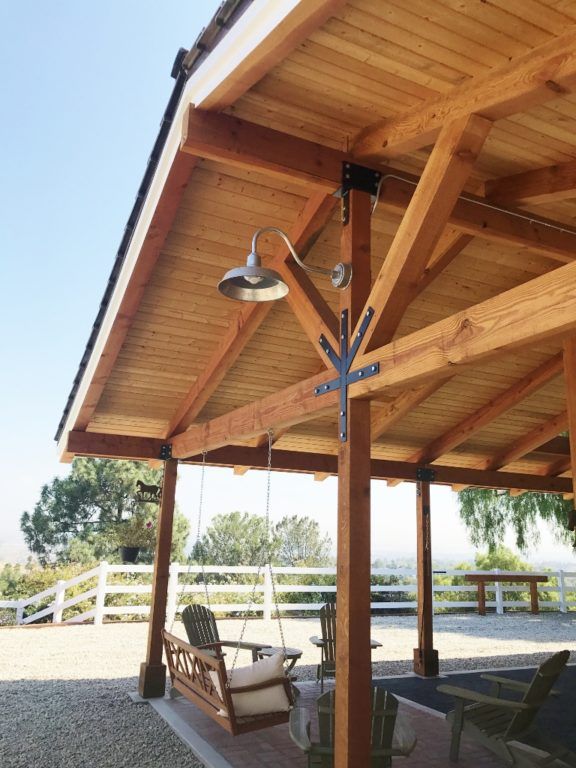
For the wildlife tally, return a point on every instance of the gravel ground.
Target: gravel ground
(64, 690)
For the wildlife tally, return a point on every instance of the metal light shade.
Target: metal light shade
(253, 282)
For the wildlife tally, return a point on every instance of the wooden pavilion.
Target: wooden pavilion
(432, 147)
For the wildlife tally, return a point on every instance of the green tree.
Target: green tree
(500, 557)
(235, 538)
(489, 513)
(76, 518)
(299, 542)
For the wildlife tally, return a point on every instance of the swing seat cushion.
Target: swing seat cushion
(260, 702)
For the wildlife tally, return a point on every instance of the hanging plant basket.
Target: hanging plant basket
(129, 554)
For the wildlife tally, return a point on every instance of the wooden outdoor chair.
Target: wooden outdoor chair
(202, 630)
(391, 736)
(526, 756)
(327, 643)
(495, 721)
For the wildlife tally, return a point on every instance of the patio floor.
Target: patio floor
(273, 748)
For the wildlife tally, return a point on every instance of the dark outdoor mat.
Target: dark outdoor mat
(556, 720)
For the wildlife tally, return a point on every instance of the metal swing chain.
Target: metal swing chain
(198, 543)
(267, 557)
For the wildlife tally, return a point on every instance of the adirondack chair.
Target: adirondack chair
(202, 630)
(495, 721)
(327, 643)
(391, 736)
(526, 756)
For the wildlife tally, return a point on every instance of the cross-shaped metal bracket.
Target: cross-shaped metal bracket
(343, 363)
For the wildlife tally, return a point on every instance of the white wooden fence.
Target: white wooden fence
(262, 589)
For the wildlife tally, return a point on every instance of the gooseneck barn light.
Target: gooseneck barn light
(257, 283)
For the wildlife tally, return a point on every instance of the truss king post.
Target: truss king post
(425, 657)
(152, 682)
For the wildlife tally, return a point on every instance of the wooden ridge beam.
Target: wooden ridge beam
(312, 219)
(527, 443)
(444, 176)
(542, 185)
(540, 75)
(537, 310)
(495, 407)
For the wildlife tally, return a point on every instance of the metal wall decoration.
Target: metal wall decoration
(343, 363)
(147, 494)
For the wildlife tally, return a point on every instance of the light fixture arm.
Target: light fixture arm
(340, 275)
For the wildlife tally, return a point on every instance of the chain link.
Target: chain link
(267, 557)
(198, 546)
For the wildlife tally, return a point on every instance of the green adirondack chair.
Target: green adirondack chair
(391, 736)
(327, 643)
(201, 628)
(526, 756)
(493, 720)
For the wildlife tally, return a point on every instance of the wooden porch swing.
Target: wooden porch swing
(245, 699)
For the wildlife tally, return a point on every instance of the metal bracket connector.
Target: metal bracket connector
(166, 451)
(425, 474)
(343, 363)
(357, 177)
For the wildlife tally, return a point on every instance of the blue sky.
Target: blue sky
(84, 86)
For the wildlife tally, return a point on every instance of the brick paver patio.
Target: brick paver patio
(273, 748)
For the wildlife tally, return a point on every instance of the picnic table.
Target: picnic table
(516, 578)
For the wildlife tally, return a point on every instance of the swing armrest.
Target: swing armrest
(271, 683)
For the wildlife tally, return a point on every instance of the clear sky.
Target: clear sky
(84, 86)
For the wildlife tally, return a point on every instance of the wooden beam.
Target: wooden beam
(352, 727)
(442, 181)
(570, 388)
(474, 216)
(106, 446)
(250, 146)
(451, 243)
(384, 418)
(314, 463)
(152, 681)
(312, 219)
(490, 411)
(539, 309)
(230, 140)
(425, 657)
(309, 306)
(559, 446)
(542, 185)
(319, 477)
(527, 443)
(540, 75)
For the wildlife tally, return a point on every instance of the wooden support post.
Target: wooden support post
(353, 662)
(152, 683)
(570, 389)
(425, 657)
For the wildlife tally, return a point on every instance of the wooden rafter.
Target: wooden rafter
(527, 443)
(312, 219)
(498, 405)
(384, 417)
(542, 185)
(529, 313)
(445, 174)
(536, 77)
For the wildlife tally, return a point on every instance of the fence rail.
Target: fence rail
(259, 585)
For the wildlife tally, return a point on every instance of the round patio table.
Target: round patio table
(292, 654)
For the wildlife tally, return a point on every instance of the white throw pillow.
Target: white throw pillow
(264, 701)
